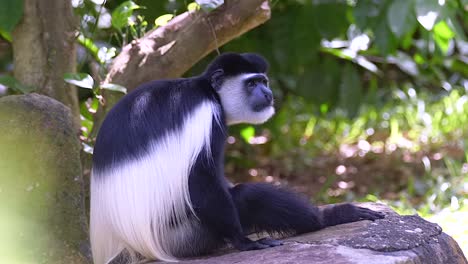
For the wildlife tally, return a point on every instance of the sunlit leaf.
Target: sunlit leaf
(443, 30)
(87, 148)
(105, 54)
(90, 46)
(419, 59)
(11, 12)
(443, 35)
(114, 87)
(12, 83)
(82, 80)
(193, 7)
(163, 20)
(248, 133)
(405, 63)
(340, 53)
(427, 12)
(209, 5)
(365, 63)
(400, 17)
(122, 13)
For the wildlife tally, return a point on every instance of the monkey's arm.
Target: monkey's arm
(217, 212)
(209, 194)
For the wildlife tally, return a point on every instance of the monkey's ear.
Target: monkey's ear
(217, 79)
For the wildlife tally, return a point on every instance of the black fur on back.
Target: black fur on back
(145, 115)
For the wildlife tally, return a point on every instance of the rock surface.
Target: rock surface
(395, 239)
(42, 217)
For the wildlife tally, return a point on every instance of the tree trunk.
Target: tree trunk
(43, 49)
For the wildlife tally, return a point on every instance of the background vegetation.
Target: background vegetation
(372, 96)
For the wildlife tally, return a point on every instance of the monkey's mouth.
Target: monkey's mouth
(262, 106)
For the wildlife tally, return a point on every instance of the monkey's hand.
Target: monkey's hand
(247, 244)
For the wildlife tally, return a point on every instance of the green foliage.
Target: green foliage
(122, 14)
(114, 87)
(12, 83)
(10, 14)
(350, 91)
(163, 20)
(350, 78)
(82, 80)
(401, 18)
(248, 133)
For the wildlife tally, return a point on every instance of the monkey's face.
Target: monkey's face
(246, 98)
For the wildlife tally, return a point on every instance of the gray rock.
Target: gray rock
(395, 239)
(42, 217)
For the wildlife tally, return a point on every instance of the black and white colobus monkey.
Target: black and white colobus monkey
(158, 189)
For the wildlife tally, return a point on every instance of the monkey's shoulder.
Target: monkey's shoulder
(149, 114)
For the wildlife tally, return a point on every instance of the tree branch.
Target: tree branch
(169, 51)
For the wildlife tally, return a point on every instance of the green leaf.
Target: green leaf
(193, 7)
(122, 13)
(5, 35)
(350, 90)
(163, 20)
(90, 46)
(443, 35)
(367, 13)
(319, 84)
(114, 87)
(12, 83)
(400, 17)
(443, 30)
(457, 28)
(248, 133)
(427, 12)
(384, 39)
(82, 80)
(330, 19)
(209, 5)
(11, 12)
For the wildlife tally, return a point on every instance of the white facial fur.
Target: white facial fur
(234, 100)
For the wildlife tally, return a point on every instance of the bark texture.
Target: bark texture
(43, 49)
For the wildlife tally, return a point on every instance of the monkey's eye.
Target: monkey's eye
(251, 84)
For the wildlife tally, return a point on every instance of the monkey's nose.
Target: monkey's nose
(268, 95)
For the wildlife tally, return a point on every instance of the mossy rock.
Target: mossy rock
(42, 213)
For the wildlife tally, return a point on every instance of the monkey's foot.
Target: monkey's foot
(367, 214)
(247, 244)
(270, 242)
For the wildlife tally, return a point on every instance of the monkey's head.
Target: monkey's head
(242, 84)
